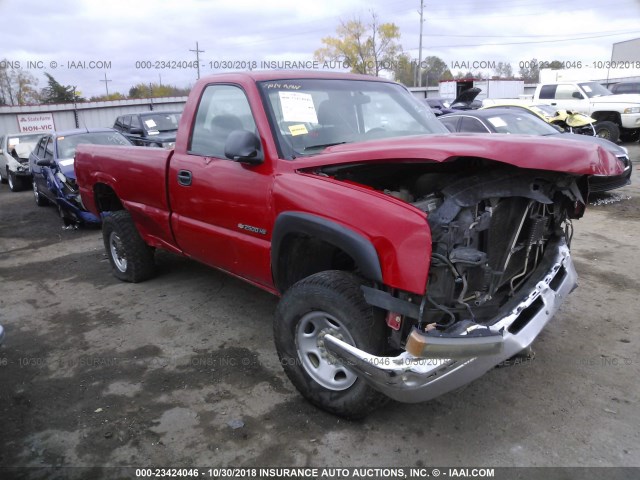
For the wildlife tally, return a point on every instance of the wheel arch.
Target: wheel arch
(606, 115)
(328, 242)
(106, 199)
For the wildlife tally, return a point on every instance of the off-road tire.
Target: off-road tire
(608, 130)
(40, 199)
(338, 295)
(138, 262)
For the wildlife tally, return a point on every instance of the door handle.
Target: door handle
(552, 103)
(184, 177)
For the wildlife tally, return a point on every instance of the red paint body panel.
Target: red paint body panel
(202, 220)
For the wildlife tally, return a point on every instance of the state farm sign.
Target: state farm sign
(36, 123)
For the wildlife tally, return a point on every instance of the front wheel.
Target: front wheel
(328, 302)
(40, 199)
(131, 259)
(608, 130)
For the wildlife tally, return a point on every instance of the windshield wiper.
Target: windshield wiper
(323, 145)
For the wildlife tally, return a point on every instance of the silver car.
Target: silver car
(15, 149)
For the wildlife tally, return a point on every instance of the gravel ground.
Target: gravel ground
(182, 371)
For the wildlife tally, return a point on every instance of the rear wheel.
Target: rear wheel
(40, 199)
(329, 302)
(608, 130)
(130, 257)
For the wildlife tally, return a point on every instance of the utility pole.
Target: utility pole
(420, 43)
(106, 83)
(198, 52)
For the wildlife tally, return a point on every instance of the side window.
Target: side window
(118, 123)
(40, 147)
(125, 122)
(135, 122)
(472, 125)
(48, 150)
(222, 109)
(451, 123)
(566, 92)
(548, 91)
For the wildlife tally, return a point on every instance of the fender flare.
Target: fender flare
(355, 245)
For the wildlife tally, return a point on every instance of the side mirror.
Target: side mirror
(243, 146)
(577, 95)
(43, 162)
(135, 131)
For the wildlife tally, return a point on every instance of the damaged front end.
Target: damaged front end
(500, 268)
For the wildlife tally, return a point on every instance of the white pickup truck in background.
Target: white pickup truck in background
(618, 116)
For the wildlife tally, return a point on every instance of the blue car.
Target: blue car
(54, 180)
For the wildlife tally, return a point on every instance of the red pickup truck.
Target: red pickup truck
(410, 261)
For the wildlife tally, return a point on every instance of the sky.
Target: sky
(78, 42)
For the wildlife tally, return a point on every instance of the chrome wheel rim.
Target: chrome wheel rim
(10, 180)
(117, 252)
(317, 361)
(36, 193)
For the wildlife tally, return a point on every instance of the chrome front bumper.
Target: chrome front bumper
(411, 379)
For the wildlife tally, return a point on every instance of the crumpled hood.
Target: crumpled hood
(24, 149)
(620, 98)
(524, 151)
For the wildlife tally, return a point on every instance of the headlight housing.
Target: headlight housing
(632, 110)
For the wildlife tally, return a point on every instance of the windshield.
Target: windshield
(525, 124)
(12, 141)
(594, 89)
(310, 115)
(160, 122)
(67, 145)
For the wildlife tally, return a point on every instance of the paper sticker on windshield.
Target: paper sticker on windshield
(497, 122)
(150, 123)
(66, 163)
(298, 129)
(298, 107)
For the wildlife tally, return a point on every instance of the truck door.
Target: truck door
(221, 209)
(568, 96)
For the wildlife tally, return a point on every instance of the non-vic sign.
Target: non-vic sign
(36, 123)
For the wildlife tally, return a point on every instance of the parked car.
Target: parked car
(568, 121)
(510, 121)
(150, 129)
(54, 179)
(438, 106)
(410, 261)
(15, 149)
(625, 87)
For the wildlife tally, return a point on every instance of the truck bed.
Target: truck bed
(138, 176)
